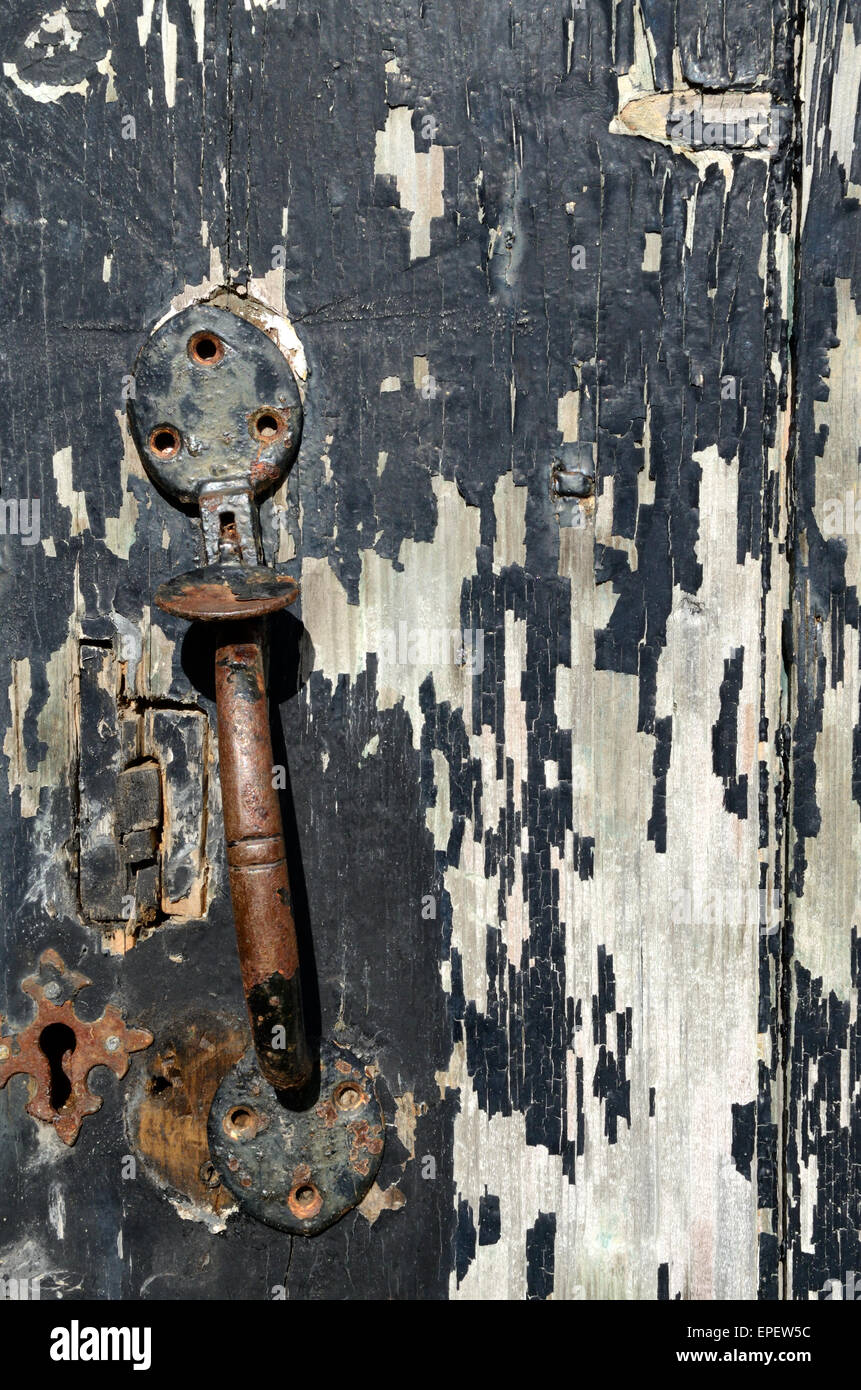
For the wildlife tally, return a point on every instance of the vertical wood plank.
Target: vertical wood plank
(821, 991)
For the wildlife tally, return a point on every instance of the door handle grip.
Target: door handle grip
(256, 858)
(238, 599)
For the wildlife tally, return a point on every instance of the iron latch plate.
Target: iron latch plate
(298, 1170)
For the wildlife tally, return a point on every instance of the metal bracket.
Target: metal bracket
(142, 828)
(572, 484)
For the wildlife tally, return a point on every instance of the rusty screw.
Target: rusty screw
(208, 1175)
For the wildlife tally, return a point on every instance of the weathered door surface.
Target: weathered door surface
(567, 721)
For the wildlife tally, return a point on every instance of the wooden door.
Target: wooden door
(568, 724)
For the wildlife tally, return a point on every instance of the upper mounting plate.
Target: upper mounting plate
(214, 400)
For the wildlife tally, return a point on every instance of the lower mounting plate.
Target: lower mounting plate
(298, 1170)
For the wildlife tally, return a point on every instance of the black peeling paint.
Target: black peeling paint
(657, 827)
(725, 737)
(611, 1084)
(824, 1140)
(464, 1244)
(541, 1256)
(489, 1219)
(823, 1157)
(743, 1137)
(505, 336)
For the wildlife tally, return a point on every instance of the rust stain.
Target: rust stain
(364, 1136)
(327, 1112)
(407, 1114)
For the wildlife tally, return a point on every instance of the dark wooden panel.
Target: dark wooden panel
(480, 275)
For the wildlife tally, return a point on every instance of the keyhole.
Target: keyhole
(55, 1041)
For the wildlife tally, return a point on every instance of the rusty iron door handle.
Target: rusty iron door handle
(259, 885)
(295, 1131)
(254, 835)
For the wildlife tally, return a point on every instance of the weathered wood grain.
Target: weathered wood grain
(823, 1097)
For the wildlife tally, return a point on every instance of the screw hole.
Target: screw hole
(208, 1175)
(205, 349)
(305, 1200)
(164, 441)
(348, 1096)
(267, 425)
(229, 544)
(241, 1122)
(157, 1084)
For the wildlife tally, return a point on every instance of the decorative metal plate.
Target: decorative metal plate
(106, 1042)
(298, 1170)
